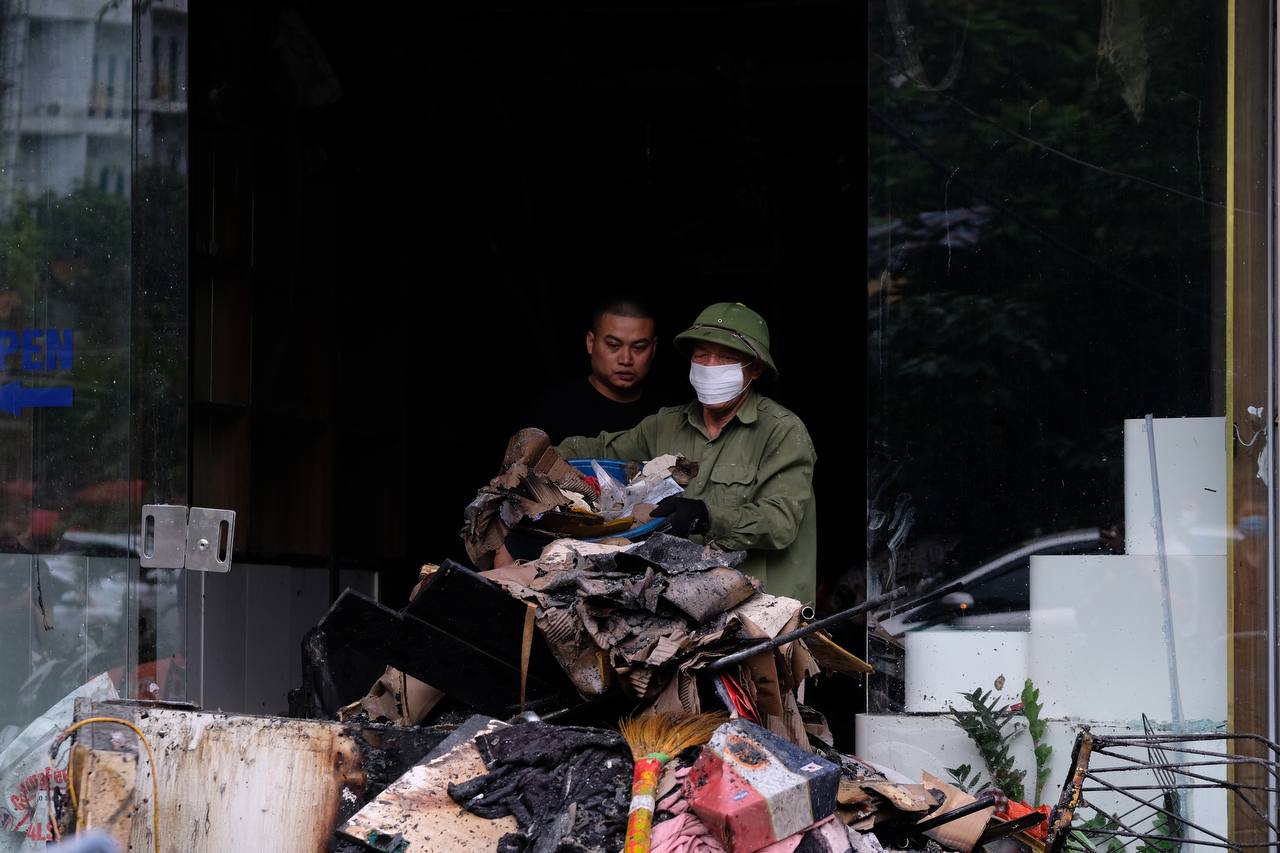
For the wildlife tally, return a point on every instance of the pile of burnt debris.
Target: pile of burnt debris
(637, 693)
(705, 673)
(610, 694)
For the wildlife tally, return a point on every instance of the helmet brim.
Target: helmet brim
(742, 344)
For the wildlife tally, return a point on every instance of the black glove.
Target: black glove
(686, 515)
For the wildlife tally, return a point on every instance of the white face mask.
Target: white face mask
(718, 384)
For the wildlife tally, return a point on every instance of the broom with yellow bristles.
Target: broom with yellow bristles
(655, 740)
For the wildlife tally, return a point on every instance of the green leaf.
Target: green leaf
(962, 778)
(1084, 840)
(1032, 709)
(988, 725)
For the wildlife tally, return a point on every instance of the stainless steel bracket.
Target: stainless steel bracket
(199, 539)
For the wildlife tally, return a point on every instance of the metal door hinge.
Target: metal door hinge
(198, 539)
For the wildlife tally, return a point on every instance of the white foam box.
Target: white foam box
(1097, 646)
(911, 744)
(943, 663)
(1191, 459)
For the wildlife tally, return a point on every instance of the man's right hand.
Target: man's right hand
(687, 516)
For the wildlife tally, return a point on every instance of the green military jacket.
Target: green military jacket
(756, 479)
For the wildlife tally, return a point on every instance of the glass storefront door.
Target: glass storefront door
(93, 364)
(1070, 373)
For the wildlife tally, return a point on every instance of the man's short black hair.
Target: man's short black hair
(626, 307)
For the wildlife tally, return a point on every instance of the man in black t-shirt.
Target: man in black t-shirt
(621, 344)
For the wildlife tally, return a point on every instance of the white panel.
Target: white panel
(224, 637)
(1192, 463)
(1098, 650)
(267, 648)
(941, 664)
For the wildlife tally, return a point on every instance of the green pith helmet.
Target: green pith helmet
(733, 325)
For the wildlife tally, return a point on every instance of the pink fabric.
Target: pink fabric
(684, 833)
(674, 802)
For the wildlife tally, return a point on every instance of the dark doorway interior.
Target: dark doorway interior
(402, 215)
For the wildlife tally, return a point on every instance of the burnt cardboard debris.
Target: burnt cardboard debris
(464, 664)
(532, 481)
(461, 634)
(672, 554)
(332, 675)
(461, 602)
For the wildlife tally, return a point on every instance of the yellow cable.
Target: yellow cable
(151, 760)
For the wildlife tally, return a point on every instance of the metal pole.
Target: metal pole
(1175, 695)
(783, 639)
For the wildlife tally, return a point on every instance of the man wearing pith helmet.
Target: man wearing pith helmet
(754, 488)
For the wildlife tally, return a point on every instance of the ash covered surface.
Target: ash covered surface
(568, 787)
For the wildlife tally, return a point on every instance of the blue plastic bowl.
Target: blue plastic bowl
(617, 469)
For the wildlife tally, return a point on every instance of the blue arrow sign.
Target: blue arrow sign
(14, 398)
